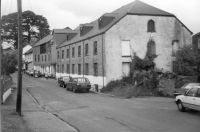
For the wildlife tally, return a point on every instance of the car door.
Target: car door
(189, 99)
(197, 100)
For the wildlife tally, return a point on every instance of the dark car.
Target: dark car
(37, 74)
(63, 81)
(79, 84)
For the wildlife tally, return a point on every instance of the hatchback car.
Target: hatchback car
(79, 84)
(63, 81)
(191, 99)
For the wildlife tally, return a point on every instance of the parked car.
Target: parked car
(184, 88)
(79, 84)
(191, 99)
(63, 81)
(37, 74)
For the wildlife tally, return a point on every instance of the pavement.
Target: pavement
(49, 108)
(33, 119)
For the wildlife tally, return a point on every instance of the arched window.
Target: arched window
(151, 48)
(151, 26)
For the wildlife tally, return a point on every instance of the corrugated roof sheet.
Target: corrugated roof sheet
(137, 7)
(44, 40)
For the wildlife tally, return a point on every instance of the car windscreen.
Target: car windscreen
(66, 78)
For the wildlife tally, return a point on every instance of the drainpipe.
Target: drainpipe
(83, 60)
(102, 57)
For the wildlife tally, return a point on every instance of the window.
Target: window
(58, 68)
(62, 68)
(126, 49)
(63, 54)
(35, 58)
(42, 57)
(95, 69)
(49, 57)
(57, 54)
(151, 48)
(79, 69)
(86, 49)
(68, 53)
(192, 92)
(151, 26)
(68, 68)
(73, 51)
(45, 58)
(43, 49)
(95, 47)
(86, 69)
(38, 57)
(79, 51)
(198, 46)
(175, 47)
(73, 68)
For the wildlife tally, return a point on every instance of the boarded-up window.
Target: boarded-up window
(151, 26)
(125, 69)
(126, 49)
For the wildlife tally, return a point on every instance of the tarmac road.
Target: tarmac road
(49, 108)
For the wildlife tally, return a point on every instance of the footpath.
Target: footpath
(33, 119)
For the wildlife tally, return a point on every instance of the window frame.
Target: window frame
(79, 51)
(95, 49)
(151, 26)
(73, 52)
(86, 49)
(95, 68)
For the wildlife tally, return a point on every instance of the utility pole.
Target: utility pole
(1, 86)
(19, 84)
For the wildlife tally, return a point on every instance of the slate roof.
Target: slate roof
(44, 40)
(62, 30)
(136, 8)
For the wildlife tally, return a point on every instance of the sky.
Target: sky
(71, 13)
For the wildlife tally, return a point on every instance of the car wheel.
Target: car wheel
(180, 106)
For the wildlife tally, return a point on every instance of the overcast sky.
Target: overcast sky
(63, 13)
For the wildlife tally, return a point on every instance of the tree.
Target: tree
(9, 63)
(188, 61)
(34, 27)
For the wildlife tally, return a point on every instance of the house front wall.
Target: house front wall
(133, 28)
(83, 59)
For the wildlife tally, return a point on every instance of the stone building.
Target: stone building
(28, 59)
(102, 50)
(44, 51)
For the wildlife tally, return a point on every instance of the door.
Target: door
(126, 69)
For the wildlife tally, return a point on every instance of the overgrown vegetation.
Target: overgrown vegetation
(9, 64)
(188, 62)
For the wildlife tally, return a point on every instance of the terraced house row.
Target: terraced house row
(102, 49)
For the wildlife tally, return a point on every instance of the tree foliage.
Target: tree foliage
(34, 27)
(188, 61)
(9, 63)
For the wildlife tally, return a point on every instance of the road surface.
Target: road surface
(89, 112)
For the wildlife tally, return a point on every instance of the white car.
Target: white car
(191, 99)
